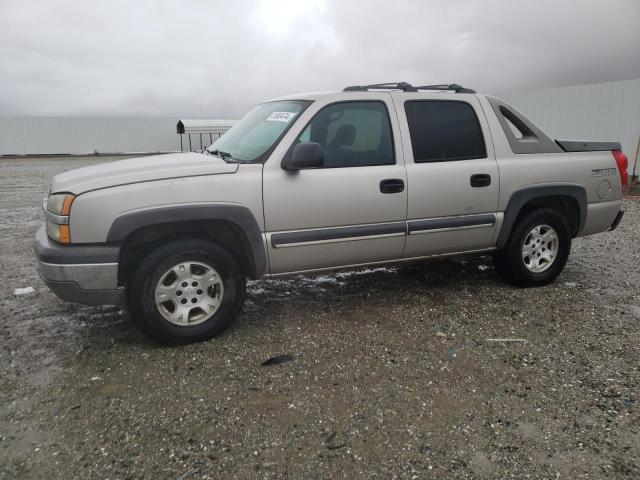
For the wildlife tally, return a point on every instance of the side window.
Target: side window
(518, 127)
(352, 134)
(444, 130)
(522, 135)
(517, 133)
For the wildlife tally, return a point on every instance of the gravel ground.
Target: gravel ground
(392, 373)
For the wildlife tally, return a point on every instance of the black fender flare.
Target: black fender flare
(237, 215)
(521, 197)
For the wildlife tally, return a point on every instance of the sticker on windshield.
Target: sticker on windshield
(281, 117)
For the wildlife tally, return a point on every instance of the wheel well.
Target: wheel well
(145, 239)
(565, 204)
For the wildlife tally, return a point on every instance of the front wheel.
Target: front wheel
(186, 291)
(537, 250)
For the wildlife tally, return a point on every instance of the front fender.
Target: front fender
(237, 215)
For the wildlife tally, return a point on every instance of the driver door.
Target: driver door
(350, 211)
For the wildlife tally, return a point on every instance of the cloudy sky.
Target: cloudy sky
(217, 58)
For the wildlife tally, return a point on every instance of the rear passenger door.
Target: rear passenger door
(452, 173)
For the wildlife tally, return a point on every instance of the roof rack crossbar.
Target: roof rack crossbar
(451, 86)
(407, 87)
(404, 86)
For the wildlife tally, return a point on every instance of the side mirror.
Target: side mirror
(305, 155)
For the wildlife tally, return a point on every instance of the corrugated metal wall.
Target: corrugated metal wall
(77, 135)
(604, 111)
(601, 111)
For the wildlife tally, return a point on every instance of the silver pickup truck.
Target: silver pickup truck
(373, 174)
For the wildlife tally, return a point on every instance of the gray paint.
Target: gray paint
(141, 169)
(600, 216)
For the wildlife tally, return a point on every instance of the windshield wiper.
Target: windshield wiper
(223, 155)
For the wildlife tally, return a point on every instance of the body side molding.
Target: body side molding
(337, 233)
(237, 215)
(377, 230)
(520, 197)
(450, 223)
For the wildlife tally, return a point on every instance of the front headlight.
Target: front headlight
(60, 203)
(57, 213)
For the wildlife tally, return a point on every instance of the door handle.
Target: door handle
(392, 185)
(480, 180)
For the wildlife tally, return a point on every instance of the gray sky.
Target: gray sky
(218, 58)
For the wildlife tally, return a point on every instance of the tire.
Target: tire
(522, 261)
(210, 302)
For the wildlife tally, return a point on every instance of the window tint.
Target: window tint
(444, 130)
(352, 134)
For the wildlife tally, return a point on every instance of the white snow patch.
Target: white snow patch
(323, 279)
(482, 268)
(364, 271)
(23, 291)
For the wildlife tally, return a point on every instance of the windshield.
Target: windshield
(258, 131)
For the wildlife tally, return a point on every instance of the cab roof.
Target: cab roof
(381, 87)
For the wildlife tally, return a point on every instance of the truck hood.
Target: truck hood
(142, 169)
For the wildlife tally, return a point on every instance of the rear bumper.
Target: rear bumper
(81, 274)
(617, 220)
(600, 216)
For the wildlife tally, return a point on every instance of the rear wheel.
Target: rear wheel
(537, 250)
(186, 291)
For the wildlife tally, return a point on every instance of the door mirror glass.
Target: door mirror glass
(305, 155)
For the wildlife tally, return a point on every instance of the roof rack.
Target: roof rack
(407, 87)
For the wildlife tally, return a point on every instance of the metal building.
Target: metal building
(600, 111)
(604, 111)
(91, 135)
(86, 135)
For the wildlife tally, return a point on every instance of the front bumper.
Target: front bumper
(79, 273)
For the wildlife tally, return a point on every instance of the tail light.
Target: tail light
(623, 164)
